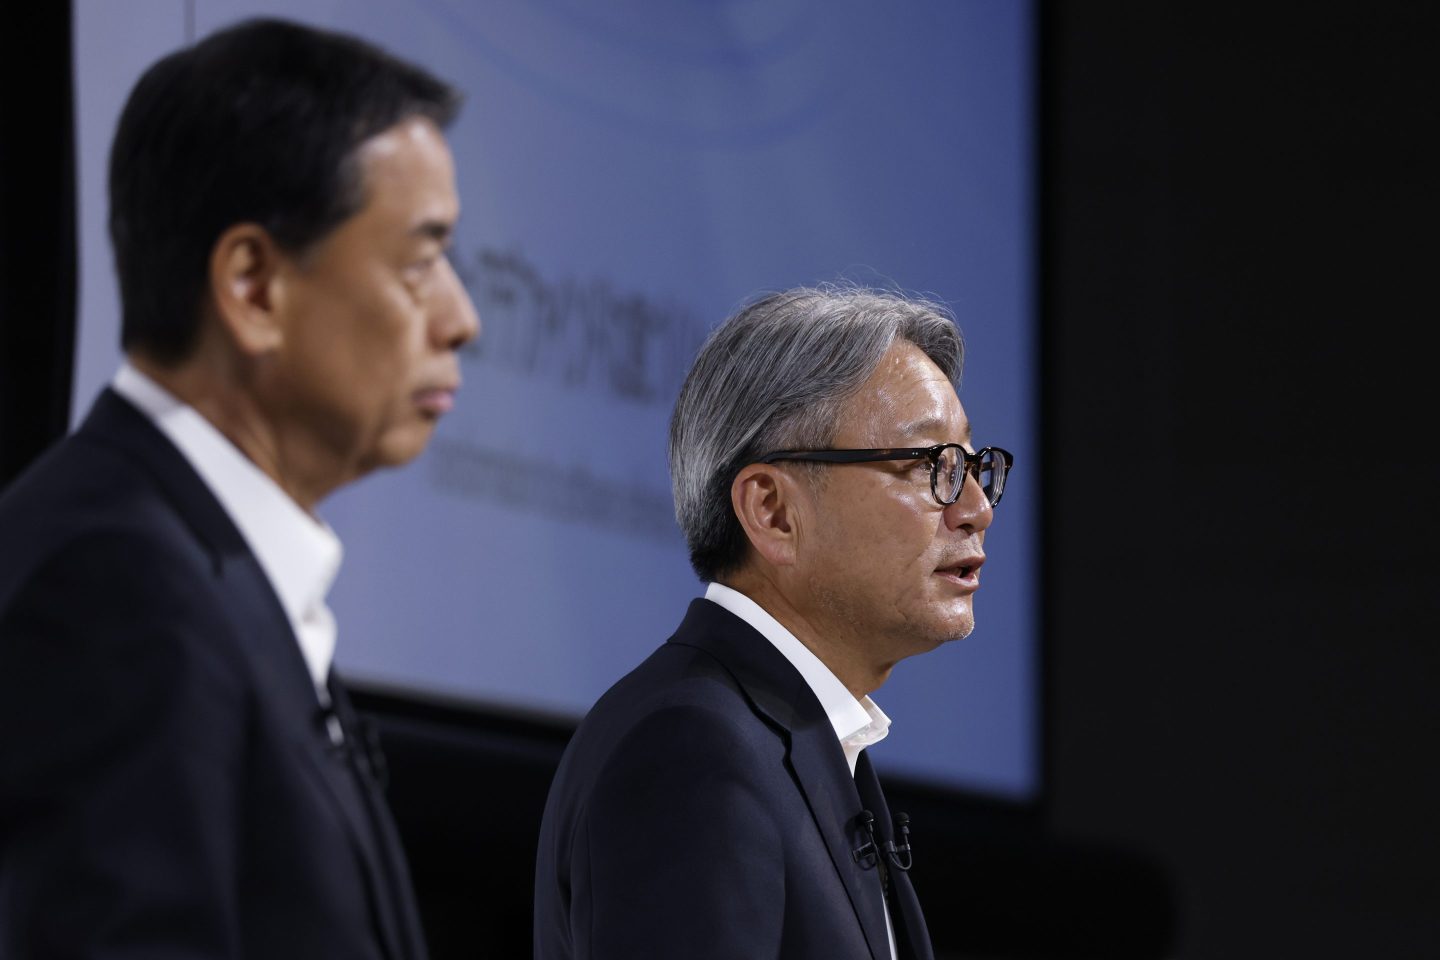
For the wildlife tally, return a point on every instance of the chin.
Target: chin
(957, 627)
(399, 447)
(937, 633)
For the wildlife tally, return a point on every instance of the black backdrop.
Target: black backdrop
(1240, 254)
(37, 231)
(1240, 617)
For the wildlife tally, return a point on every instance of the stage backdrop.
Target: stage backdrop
(630, 173)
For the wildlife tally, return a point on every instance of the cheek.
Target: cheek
(388, 345)
(887, 535)
(897, 549)
(915, 557)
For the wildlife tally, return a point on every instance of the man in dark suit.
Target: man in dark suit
(718, 802)
(181, 774)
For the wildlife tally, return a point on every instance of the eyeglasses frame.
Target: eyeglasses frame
(970, 462)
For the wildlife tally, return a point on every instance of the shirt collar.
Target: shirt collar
(857, 723)
(299, 553)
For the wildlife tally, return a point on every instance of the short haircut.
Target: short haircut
(258, 123)
(774, 376)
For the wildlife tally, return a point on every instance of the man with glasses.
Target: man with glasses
(719, 801)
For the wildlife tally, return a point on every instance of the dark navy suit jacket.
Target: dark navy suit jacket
(167, 788)
(704, 809)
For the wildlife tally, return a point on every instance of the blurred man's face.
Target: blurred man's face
(883, 560)
(375, 313)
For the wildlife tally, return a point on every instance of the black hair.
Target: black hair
(257, 123)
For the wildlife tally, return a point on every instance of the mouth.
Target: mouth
(436, 401)
(964, 572)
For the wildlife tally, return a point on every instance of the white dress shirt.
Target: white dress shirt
(299, 553)
(858, 723)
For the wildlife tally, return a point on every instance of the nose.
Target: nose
(455, 321)
(971, 512)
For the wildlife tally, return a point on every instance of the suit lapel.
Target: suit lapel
(779, 693)
(280, 668)
(824, 777)
(912, 936)
(268, 643)
(399, 913)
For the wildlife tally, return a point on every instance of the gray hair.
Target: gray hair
(774, 376)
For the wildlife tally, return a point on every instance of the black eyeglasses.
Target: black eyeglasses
(949, 463)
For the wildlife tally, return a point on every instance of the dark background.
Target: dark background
(1237, 246)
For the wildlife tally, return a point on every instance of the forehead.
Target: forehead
(407, 171)
(907, 401)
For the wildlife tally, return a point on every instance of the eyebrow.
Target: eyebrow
(931, 425)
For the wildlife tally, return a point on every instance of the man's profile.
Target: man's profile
(181, 772)
(719, 801)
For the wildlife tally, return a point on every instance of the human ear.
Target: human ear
(767, 503)
(246, 288)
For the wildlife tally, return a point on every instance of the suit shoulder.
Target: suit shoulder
(84, 499)
(78, 473)
(96, 565)
(107, 594)
(675, 680)
(679, 703)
